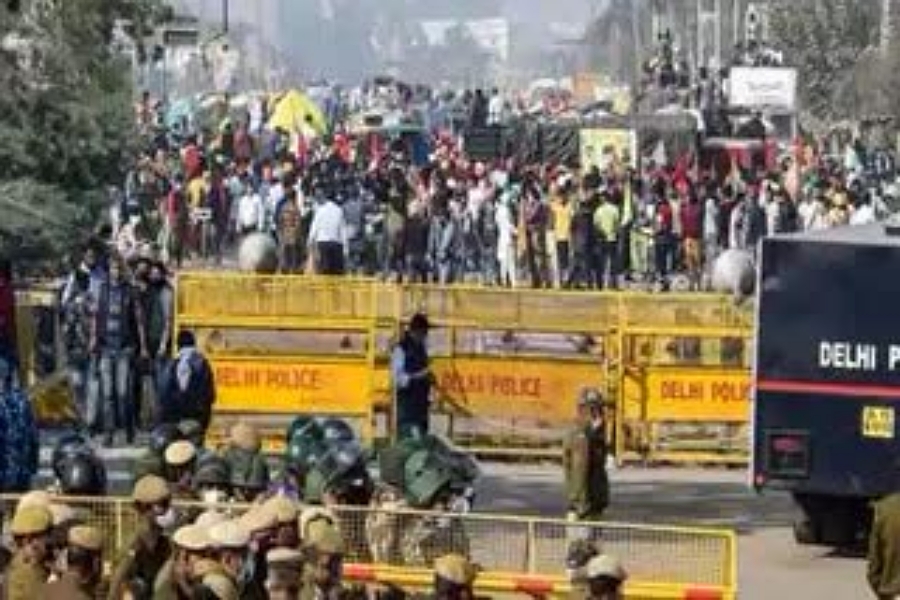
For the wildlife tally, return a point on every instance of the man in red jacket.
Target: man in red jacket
(8, 347)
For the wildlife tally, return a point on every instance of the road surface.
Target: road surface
(771, 565)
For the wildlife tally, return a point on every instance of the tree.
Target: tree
(67, 127)
(825, 40)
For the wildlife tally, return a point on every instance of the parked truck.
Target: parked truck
(827, 376)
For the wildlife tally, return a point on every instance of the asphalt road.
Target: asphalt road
(771, 565)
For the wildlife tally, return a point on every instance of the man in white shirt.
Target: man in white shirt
(328, 238)
(495, 109)
(506, 242)
(251, 212)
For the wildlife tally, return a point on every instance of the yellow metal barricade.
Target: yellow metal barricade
(517, 554)
(509, 364)
(282, 346)
(685, 381)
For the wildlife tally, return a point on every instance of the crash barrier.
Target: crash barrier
(516, 554)
(40, 350)
(509, 363)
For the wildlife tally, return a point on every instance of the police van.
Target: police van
(827, 376)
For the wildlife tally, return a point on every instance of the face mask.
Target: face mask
(213, 497)
(167, 520)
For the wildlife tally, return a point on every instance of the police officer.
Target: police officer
(84, 567)
(411, 379)
(884, 548)
(260, 523)
(28, 570)
(454, 578)
(212, 479)
(285, 571)
(152, 461)
(324, 554)
(286, 513)
(149, 549)
(230, 543)
(249, 471)
(584, 460)
(180, 459)
(605, 578)
(176, 579)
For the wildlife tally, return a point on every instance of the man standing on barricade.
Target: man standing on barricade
(117, 336)
(412, 379)
(584, 460)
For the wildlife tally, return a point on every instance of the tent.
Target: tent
(293, 109)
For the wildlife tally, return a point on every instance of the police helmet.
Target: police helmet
(249, 471)
(192, 431)
(337, 430)
(70, 445)
(212, 471)
(82, 475)
(162, 436)
(305, 426)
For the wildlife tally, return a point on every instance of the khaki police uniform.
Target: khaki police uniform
(584, 461)
(213, 577)
(147, 551)
(24, 575)
(71, 585)
(884, 548)
(190, 539)
(322, 539)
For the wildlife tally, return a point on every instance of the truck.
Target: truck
(827, 376)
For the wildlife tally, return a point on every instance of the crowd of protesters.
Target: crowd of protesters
(336, 203)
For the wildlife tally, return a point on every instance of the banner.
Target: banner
(763, 87)
(605, 148)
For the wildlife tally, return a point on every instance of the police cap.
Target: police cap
(229, 535)
(86, 537)
(180, 453)
(259, 518)
(35, 498)
(605, 566)
(324, 538)
(284, 509)
(455, 568)
(315, 514)
(285, 558)
(209, 518)
(151, 489)
(194, 538)
(31, 520)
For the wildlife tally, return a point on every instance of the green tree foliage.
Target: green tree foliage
(67, 125)
(827, 41)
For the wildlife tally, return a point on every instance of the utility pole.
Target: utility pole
(887, 24)
(225, 7)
